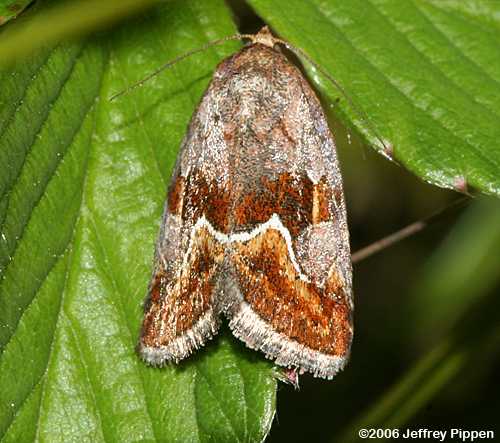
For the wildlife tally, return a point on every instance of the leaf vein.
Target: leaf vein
(143, 127)
(121, 309)
(42, 194)
(74, 60)
(87, 376)
(406, 97)
(51, 348)
(487, 109)
(212, 392)
(462, 53)
(22, 97)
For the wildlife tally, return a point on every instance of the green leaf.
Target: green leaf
(82, 187)
(425, 72)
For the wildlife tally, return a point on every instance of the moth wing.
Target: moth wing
(276, 308)
(287, 283)
(180, 312)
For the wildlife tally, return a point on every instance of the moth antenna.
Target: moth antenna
(301, 54)
(265, 33)
(178, 59)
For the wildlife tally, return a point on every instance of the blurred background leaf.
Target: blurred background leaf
(82, 187)
(59, 20)
(453, 306)
(9, 9)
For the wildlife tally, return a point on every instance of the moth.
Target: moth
(254, 227)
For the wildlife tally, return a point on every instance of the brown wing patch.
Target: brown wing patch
(322, 198)
(288, 196)
(175, 194)
(295, 199)
(206, 198)
(176, 303)
(314, 316)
